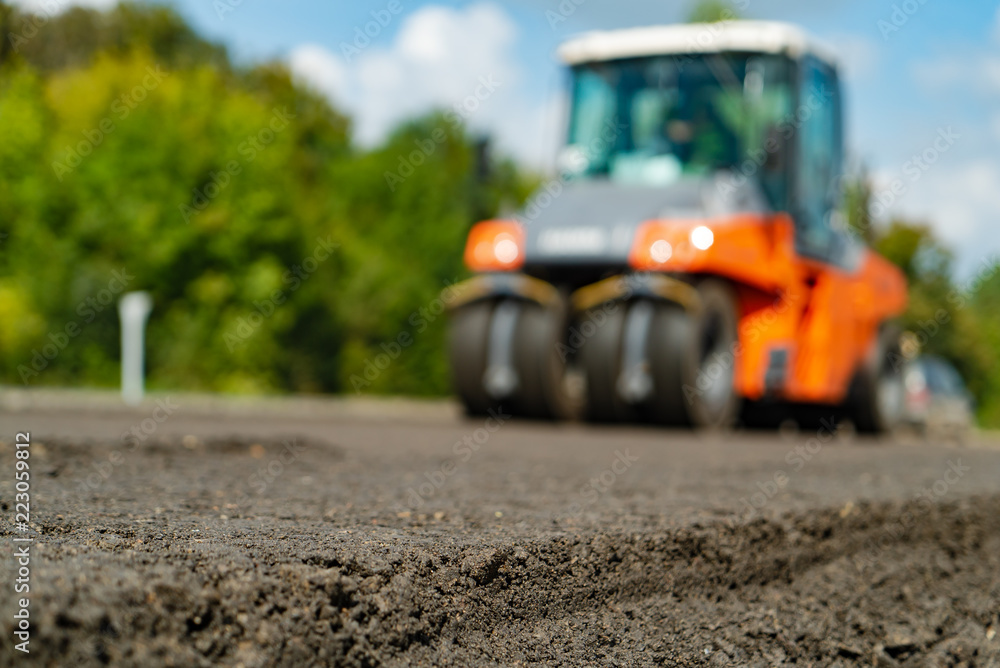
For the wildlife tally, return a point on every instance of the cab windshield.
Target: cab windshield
(650, 121)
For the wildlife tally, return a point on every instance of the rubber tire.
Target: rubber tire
(668, 342)
(678, 360)
(541, 364)
(600, 358)
(866, 400)
(468, 338)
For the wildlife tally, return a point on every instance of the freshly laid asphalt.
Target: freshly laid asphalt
(200, 531)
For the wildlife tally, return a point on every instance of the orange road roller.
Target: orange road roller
(689, 265)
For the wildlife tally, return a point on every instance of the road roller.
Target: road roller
(689, 264)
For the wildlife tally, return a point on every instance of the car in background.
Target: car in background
(936, 400)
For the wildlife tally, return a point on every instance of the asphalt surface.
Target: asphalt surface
(198, 532)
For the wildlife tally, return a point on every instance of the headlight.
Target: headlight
(505, 250)
(664, 245)
(702, 238)
(661, 250)
(495, 245)
(654, 245)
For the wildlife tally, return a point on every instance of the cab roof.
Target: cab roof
(752, 36)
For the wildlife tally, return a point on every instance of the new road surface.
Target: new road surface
(196, 531)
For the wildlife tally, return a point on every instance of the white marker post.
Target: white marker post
(133, 310)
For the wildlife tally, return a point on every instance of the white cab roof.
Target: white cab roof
(753, 36)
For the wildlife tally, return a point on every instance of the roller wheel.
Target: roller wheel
(468, 338)
(601, 361)
(691, 360)
(542, 358)
(540, 386)
(875, 401)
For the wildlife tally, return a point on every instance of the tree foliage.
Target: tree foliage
(712, 11)
(951, 319)
(955, 320)
(857, 194)
(134, 156)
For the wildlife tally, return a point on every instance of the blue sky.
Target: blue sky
(939, 70)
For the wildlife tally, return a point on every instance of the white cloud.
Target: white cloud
(995, 126)
(859, 55)
(321, 69)
(960, 197)
(961, 202)
(979, 72)
(441, 57)
(939, 73)
(53, 7)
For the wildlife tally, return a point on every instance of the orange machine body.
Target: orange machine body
(825, 318)
(822, 319)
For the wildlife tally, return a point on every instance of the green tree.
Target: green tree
(73, 38)
(951, 322)
(712, 11)
(279, 256)
(983, 294)
(857, 195)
